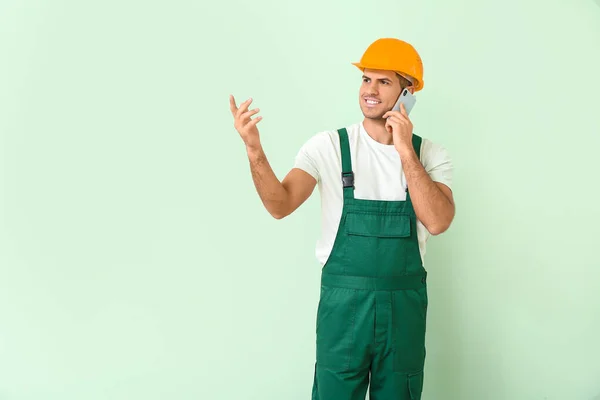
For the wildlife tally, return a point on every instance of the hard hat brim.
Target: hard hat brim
(417, 83)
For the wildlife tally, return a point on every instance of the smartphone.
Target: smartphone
(406, 98)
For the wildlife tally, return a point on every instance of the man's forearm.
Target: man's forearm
(433, 208)
(269, 188)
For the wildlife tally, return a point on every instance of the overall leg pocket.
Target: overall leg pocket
(409, 318)
(415, 385)
(336, 327)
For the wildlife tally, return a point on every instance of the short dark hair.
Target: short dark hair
(404, 83)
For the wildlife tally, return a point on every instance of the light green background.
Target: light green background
(137, 262)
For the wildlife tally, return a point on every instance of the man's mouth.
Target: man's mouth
(371, 102)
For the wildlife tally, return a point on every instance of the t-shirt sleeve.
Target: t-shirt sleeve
(437, 163)
(307, 158)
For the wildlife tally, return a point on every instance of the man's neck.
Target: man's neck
(376, 129)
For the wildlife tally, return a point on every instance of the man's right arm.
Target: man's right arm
(279, 198)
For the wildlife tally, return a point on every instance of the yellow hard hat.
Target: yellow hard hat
(394, 55)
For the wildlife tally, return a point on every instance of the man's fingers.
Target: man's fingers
(395, 120)
(248, 114)
(232, 105)
(389, 114)
(399, 119)
(243, 107)
(254, 122)
(399, 114)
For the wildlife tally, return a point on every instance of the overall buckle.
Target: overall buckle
(348, 179)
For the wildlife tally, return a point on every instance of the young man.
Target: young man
(384, 192)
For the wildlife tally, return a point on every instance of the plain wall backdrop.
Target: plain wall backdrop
(137, 262)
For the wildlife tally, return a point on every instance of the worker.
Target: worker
(384, 192)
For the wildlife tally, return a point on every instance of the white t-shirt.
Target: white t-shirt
(378, 175)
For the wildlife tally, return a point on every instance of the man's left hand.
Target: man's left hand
(401, 128)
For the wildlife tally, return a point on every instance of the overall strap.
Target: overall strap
(416, 142)
(347, 173)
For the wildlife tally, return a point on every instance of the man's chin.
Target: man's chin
(374, 117)
(372, 114)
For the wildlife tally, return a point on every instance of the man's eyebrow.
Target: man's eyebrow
(380, 79)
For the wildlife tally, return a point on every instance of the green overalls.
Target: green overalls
(373, 303)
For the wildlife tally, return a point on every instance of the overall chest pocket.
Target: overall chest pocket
(378, 240)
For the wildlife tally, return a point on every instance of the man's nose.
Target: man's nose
(372, 89)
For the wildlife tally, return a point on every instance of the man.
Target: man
(384, 191)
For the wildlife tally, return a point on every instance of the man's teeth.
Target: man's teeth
(372, 102)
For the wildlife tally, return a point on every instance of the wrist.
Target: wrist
(407, 153)
(253, 150)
